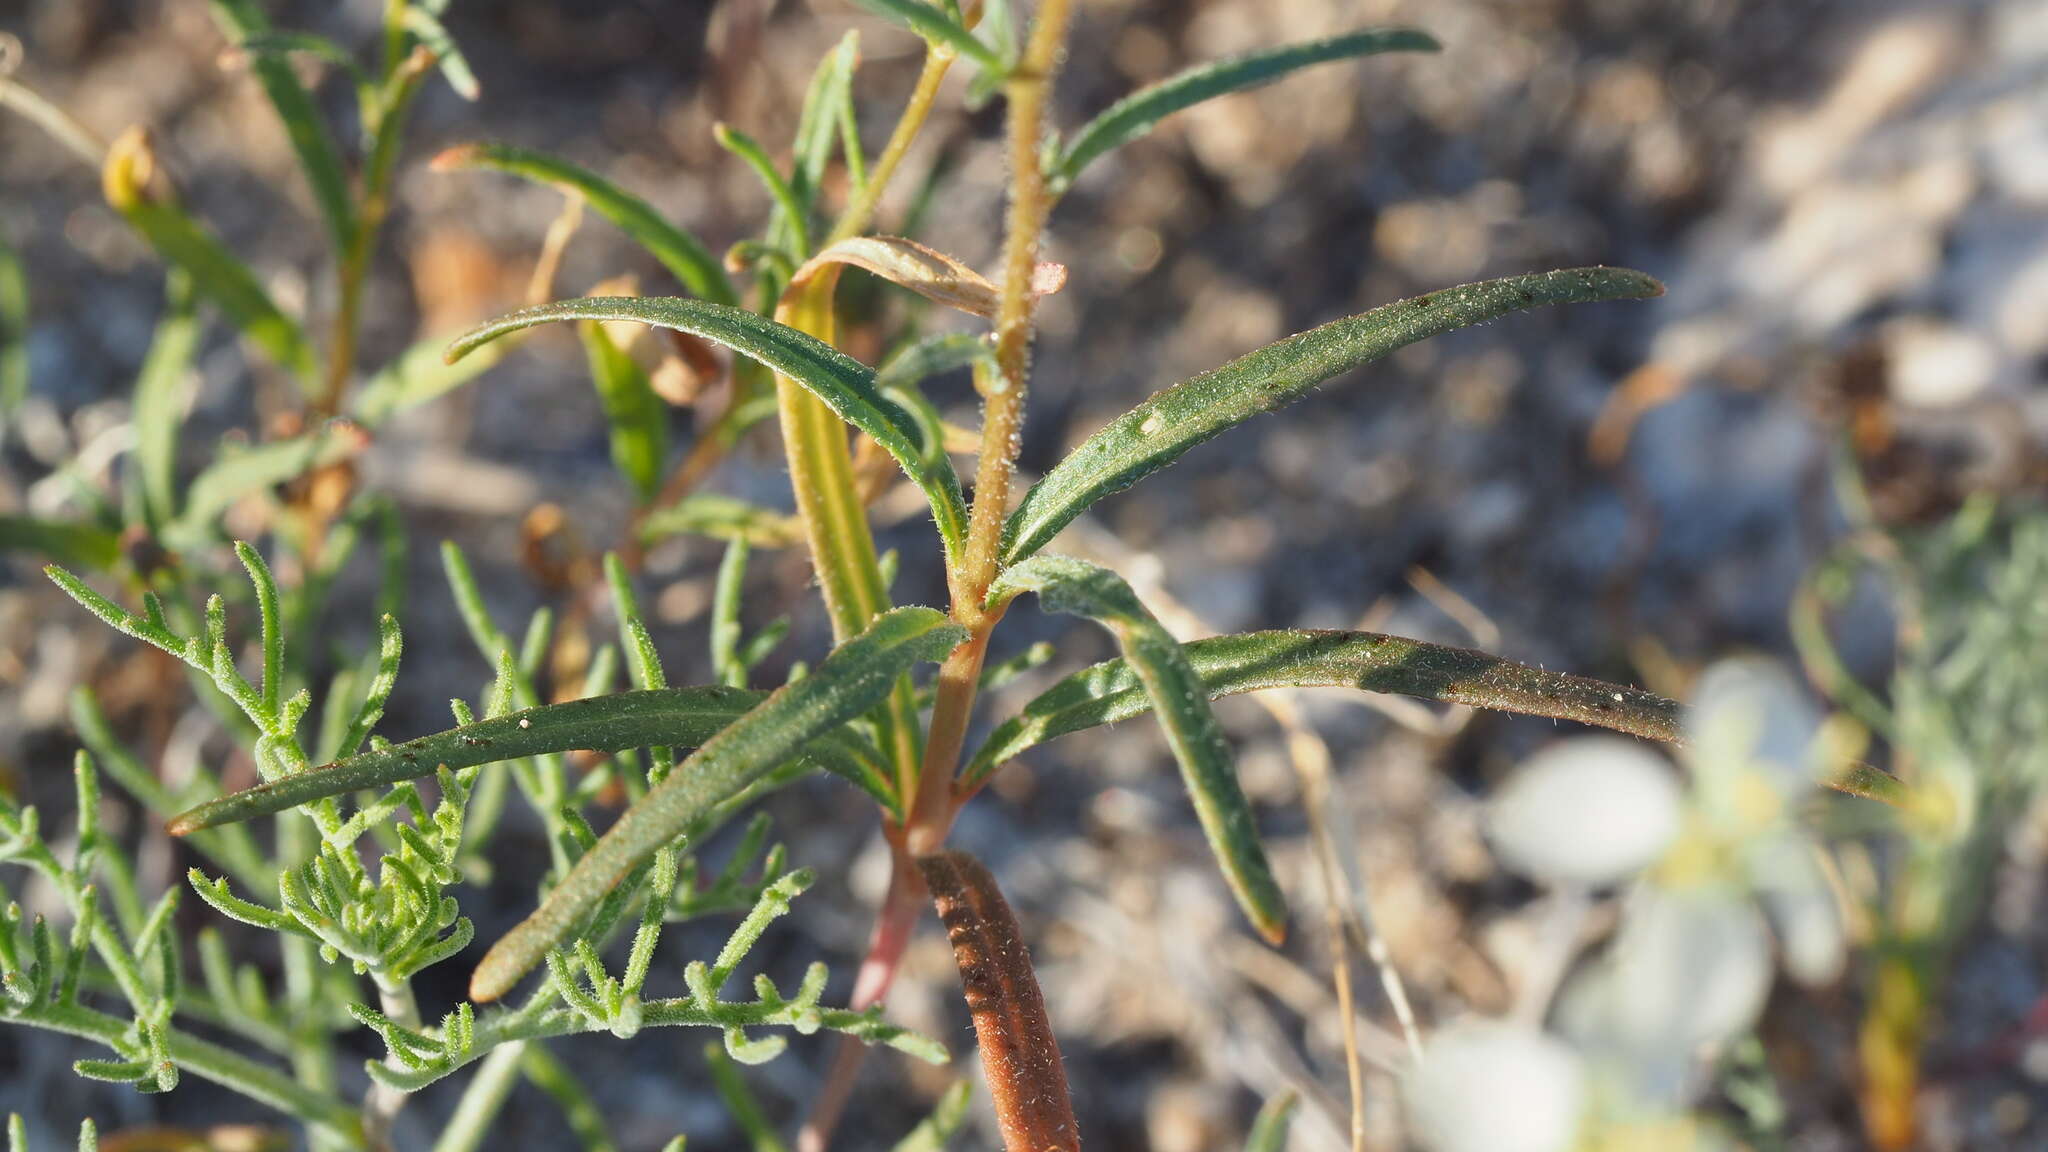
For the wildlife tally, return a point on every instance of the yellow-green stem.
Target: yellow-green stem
(860, 211)
(836, 522)
(1028, 90)
(399, 88)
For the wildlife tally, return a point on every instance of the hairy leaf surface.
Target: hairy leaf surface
(1134, 115)
(1174, 689)
(685, 717)
(856, 677)
(678, 251)
(846, 385)
(1251, 661)
(1157, 432)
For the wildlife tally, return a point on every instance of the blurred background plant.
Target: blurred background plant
(1845, 198)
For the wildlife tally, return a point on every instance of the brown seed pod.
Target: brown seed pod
(1019, 1055)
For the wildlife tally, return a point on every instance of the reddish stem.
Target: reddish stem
(1020, 1058)
(894, 924)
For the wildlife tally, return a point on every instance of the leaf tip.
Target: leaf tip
(1272, 927)
(456, 157)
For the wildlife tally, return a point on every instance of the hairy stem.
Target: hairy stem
(1019, 1055)
(893, 928)
(1028, 91)
(860, 211)
(381, 1104)
(482, 1100)
(321, 1111)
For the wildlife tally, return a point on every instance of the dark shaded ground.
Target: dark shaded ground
(1823, 183)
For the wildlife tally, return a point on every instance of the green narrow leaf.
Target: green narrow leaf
(793, 214)
(932, 355)
(1269, 1130)
(686, 717)
(1252, 661)
(159, 403)
(856, 677)
(216, 273)
(830, 89)
(583, 1114)
(1158, 431)
(1134, 115)
(845, 385)
(638, 419)
(428, 29)
(935, 1130)
(928, 21)
(13, 331)
(722, 518)
(241, 19)
(238, 474)
(1169, 680)
(417, 375)
(678, 251)
(77, 545)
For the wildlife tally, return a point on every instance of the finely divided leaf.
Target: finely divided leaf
(1251, 661)
(1177, 693)
(686, 717)
(856, 677)
(1157, 432)
(678, 251)
(1134, 115)
(843, 383)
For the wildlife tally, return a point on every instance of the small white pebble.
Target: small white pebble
(1617, 697)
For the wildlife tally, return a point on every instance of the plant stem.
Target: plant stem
(209, 1061)
(861, 210)
(482, 1100)
(1028, 91)
(894, 925)
(381, 1104)
(1020, 1057)
(401, 83)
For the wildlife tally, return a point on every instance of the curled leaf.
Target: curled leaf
(1134, 115)
(844, 384)
(926, 271)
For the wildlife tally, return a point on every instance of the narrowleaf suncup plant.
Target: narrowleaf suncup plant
(374, 840)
